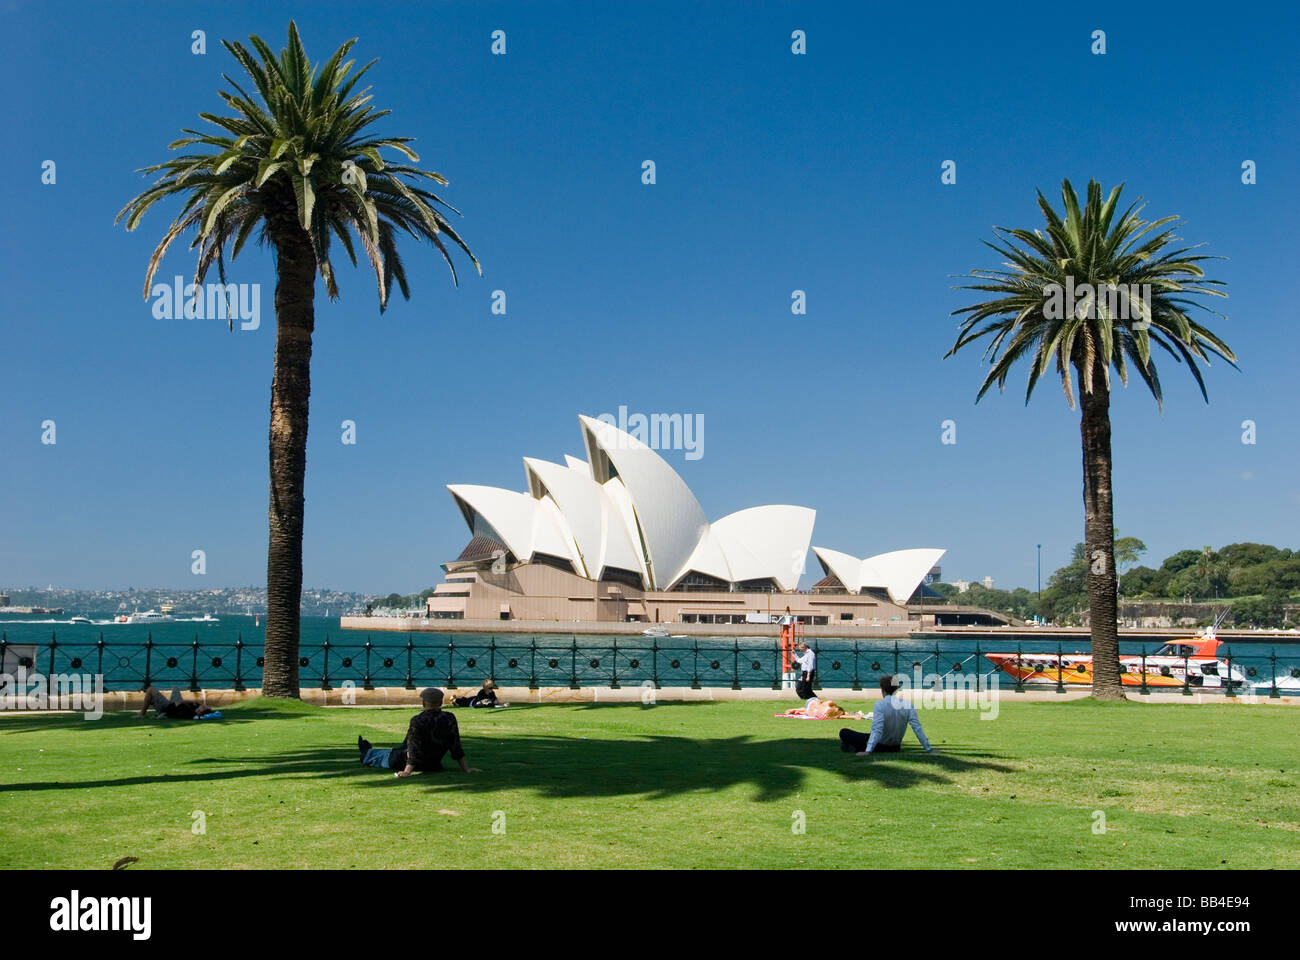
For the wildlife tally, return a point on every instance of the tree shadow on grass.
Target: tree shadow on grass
(654, 767)
(246, 711)
(658, 767)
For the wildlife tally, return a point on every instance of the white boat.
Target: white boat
(80, 620)
(655, 632)
(1192, 662)
(150, 616)
(207, 618)
(1288, 685)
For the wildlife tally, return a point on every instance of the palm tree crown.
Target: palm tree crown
(298, 152)
(1091, 246)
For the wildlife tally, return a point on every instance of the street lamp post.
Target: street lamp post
(1039, 595)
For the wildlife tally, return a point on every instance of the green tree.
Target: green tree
(1211, 573)
(1264, 612)
(1180, 561)
(1128, 550)
(1067, 589)
(1143, 581)
(1091, 248)
(1249, 554)
(295, 161)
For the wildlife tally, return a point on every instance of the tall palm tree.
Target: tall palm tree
(1032, 317)
(295, 161)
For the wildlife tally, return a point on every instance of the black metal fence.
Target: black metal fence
(420, 659)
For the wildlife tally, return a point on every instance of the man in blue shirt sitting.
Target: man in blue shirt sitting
(889, 722)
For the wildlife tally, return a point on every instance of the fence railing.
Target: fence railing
(419, 659)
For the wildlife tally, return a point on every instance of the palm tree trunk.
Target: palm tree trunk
(1099, 536)
(295, 292)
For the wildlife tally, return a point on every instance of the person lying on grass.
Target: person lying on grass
(889, 722)
(820, 709)
(431, 735)
(486, 697)
(174, 707)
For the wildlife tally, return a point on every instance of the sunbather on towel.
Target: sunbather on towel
(486, 697)
(820, 709)
(174, 707)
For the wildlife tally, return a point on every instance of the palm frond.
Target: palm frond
(1145, 283)
(294, 152)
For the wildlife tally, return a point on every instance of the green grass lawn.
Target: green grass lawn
(675, 785)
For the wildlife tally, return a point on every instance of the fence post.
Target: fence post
(1145, 690)
(148, 658)
(735, 664)
(239, 661)
(977, 665)
(776, 672)
(1187, 690)
(1272, 666)
(325, 670)
(532, 666)
(1060, 653)
(654, 661)
(451, 662)
(99, 669)
(895, 658)
(365, 683)
(49, 674)
(1230, 690)
(613, 683)
(695, 664)
(573, 666)
(410, 652)
(492, 658)
(194, 666)
(1020, 670)
(857, 679)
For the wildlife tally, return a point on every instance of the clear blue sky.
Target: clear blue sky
(775, 172)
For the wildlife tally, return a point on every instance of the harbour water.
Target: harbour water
(227, 654)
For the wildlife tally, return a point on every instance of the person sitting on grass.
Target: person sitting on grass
(174, 707)
(486, 697)
(431, 735)
(889, 722)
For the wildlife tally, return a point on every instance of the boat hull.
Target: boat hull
(1076, 670)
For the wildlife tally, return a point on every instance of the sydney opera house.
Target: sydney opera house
(619, 536)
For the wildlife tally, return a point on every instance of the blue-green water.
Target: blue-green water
(226, 655)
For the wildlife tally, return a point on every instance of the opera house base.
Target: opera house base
(769, 631)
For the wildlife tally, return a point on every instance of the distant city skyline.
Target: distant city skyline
(783, 181)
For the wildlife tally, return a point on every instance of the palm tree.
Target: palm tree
(1211, 571)
(295, 161)
(1120, 258)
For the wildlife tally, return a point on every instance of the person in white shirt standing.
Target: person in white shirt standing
(807, 660)
(889, 722)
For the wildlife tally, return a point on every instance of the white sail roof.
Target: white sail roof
(899, 572)
(770, 541)
(593, 518)
(524, 525)
(670, 519)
